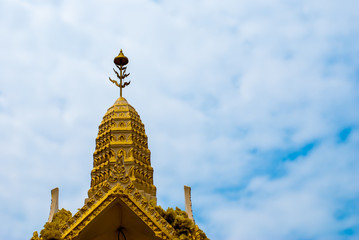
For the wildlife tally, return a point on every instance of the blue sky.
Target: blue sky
(254, 104)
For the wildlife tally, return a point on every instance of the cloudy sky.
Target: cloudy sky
(252, 103)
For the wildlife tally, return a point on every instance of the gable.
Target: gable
(116, 202)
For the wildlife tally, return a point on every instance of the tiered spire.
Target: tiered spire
(121, 143)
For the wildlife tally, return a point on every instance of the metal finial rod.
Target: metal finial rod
(120, 61)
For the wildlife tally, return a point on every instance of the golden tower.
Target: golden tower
(122, 198)
(121, 201)
(122, 140)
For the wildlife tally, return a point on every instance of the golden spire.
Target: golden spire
(120, 61)
(122, 142)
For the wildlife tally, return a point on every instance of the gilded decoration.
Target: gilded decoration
(132, 198)
(122, 140)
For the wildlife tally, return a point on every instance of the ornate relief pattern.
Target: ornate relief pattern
(122, 136)
(132, 198)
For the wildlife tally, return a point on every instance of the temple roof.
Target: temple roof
(117, 205)
(121, 183)
(122, 196)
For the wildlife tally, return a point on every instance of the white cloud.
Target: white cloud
(226, 91)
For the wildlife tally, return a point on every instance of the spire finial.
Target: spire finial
(120, 61)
